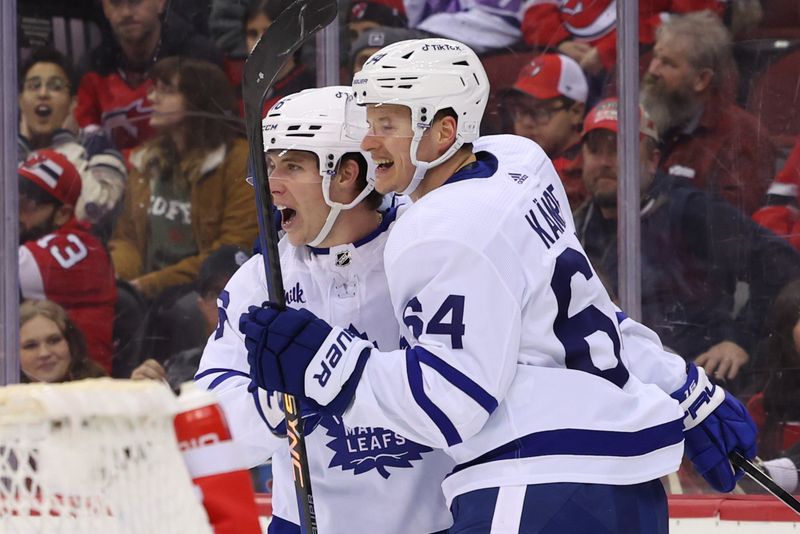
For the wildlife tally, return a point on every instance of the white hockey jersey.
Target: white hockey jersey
(515, 363)
(364, 479)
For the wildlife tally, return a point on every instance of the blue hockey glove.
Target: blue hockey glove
(715, 424)
(295, 352)
(270, 407)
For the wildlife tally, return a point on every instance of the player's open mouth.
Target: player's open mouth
(287, 216)
(384, 164)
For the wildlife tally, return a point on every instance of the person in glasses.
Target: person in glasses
(547, 104)
(46, 102)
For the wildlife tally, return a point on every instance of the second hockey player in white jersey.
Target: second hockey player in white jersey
(514, 361)
(365, 479)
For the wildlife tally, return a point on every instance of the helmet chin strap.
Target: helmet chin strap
(421, 167)
(326, 228)
(336, 207)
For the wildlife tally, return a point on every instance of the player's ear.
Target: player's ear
(444, 133)
(348, 172)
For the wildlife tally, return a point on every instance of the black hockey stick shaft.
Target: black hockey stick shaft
(294, 26)
(764, 480)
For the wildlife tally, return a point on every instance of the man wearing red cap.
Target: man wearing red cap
(547, 104)
(59, 259)
(694, 250)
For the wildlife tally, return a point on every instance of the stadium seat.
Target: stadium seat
(781, 20)
(775, 99)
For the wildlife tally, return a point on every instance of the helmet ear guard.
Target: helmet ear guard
(427, 76)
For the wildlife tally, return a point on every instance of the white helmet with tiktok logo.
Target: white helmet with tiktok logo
(320, 121)
(427, 76)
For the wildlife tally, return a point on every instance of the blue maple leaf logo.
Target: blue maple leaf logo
(361, 449)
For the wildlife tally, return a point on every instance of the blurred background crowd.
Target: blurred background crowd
(134, 210)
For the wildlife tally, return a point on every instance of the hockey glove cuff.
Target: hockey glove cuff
(715, 424)
(295, 352)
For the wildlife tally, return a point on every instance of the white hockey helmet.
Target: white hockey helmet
(427, 76)
(321, 122)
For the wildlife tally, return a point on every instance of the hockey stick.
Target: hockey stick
(750, 469)
(294, 26)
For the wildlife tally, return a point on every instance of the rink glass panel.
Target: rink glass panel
(688, 289)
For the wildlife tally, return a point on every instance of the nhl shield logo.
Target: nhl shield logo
(343, 258)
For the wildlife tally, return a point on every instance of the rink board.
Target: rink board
(694, 514)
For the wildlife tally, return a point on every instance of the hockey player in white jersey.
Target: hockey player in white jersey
(365, 479)
(514, 362)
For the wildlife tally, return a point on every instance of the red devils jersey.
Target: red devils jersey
(547, 23)
(122, 110)
(72, 268)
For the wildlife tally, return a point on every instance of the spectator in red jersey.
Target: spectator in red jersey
(587, 31)
(46, 100)
(547, 104)
(59, 259)
(113, 94)
(187, 193)
(782, 212)
(706, 137)
(51, 347)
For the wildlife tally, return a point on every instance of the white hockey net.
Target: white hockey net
(93, 456)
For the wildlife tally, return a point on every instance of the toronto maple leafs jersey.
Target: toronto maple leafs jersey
(365, 479)
(513, 361)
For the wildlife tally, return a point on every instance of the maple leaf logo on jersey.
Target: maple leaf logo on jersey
(362, 449)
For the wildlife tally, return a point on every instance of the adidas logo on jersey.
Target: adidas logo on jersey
(517, 177)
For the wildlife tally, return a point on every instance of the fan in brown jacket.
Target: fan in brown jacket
(186, 195)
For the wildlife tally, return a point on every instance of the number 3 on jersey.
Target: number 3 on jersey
(572, 331)
(447, 321)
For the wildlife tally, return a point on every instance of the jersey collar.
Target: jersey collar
(388, 218)
(483, 167)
